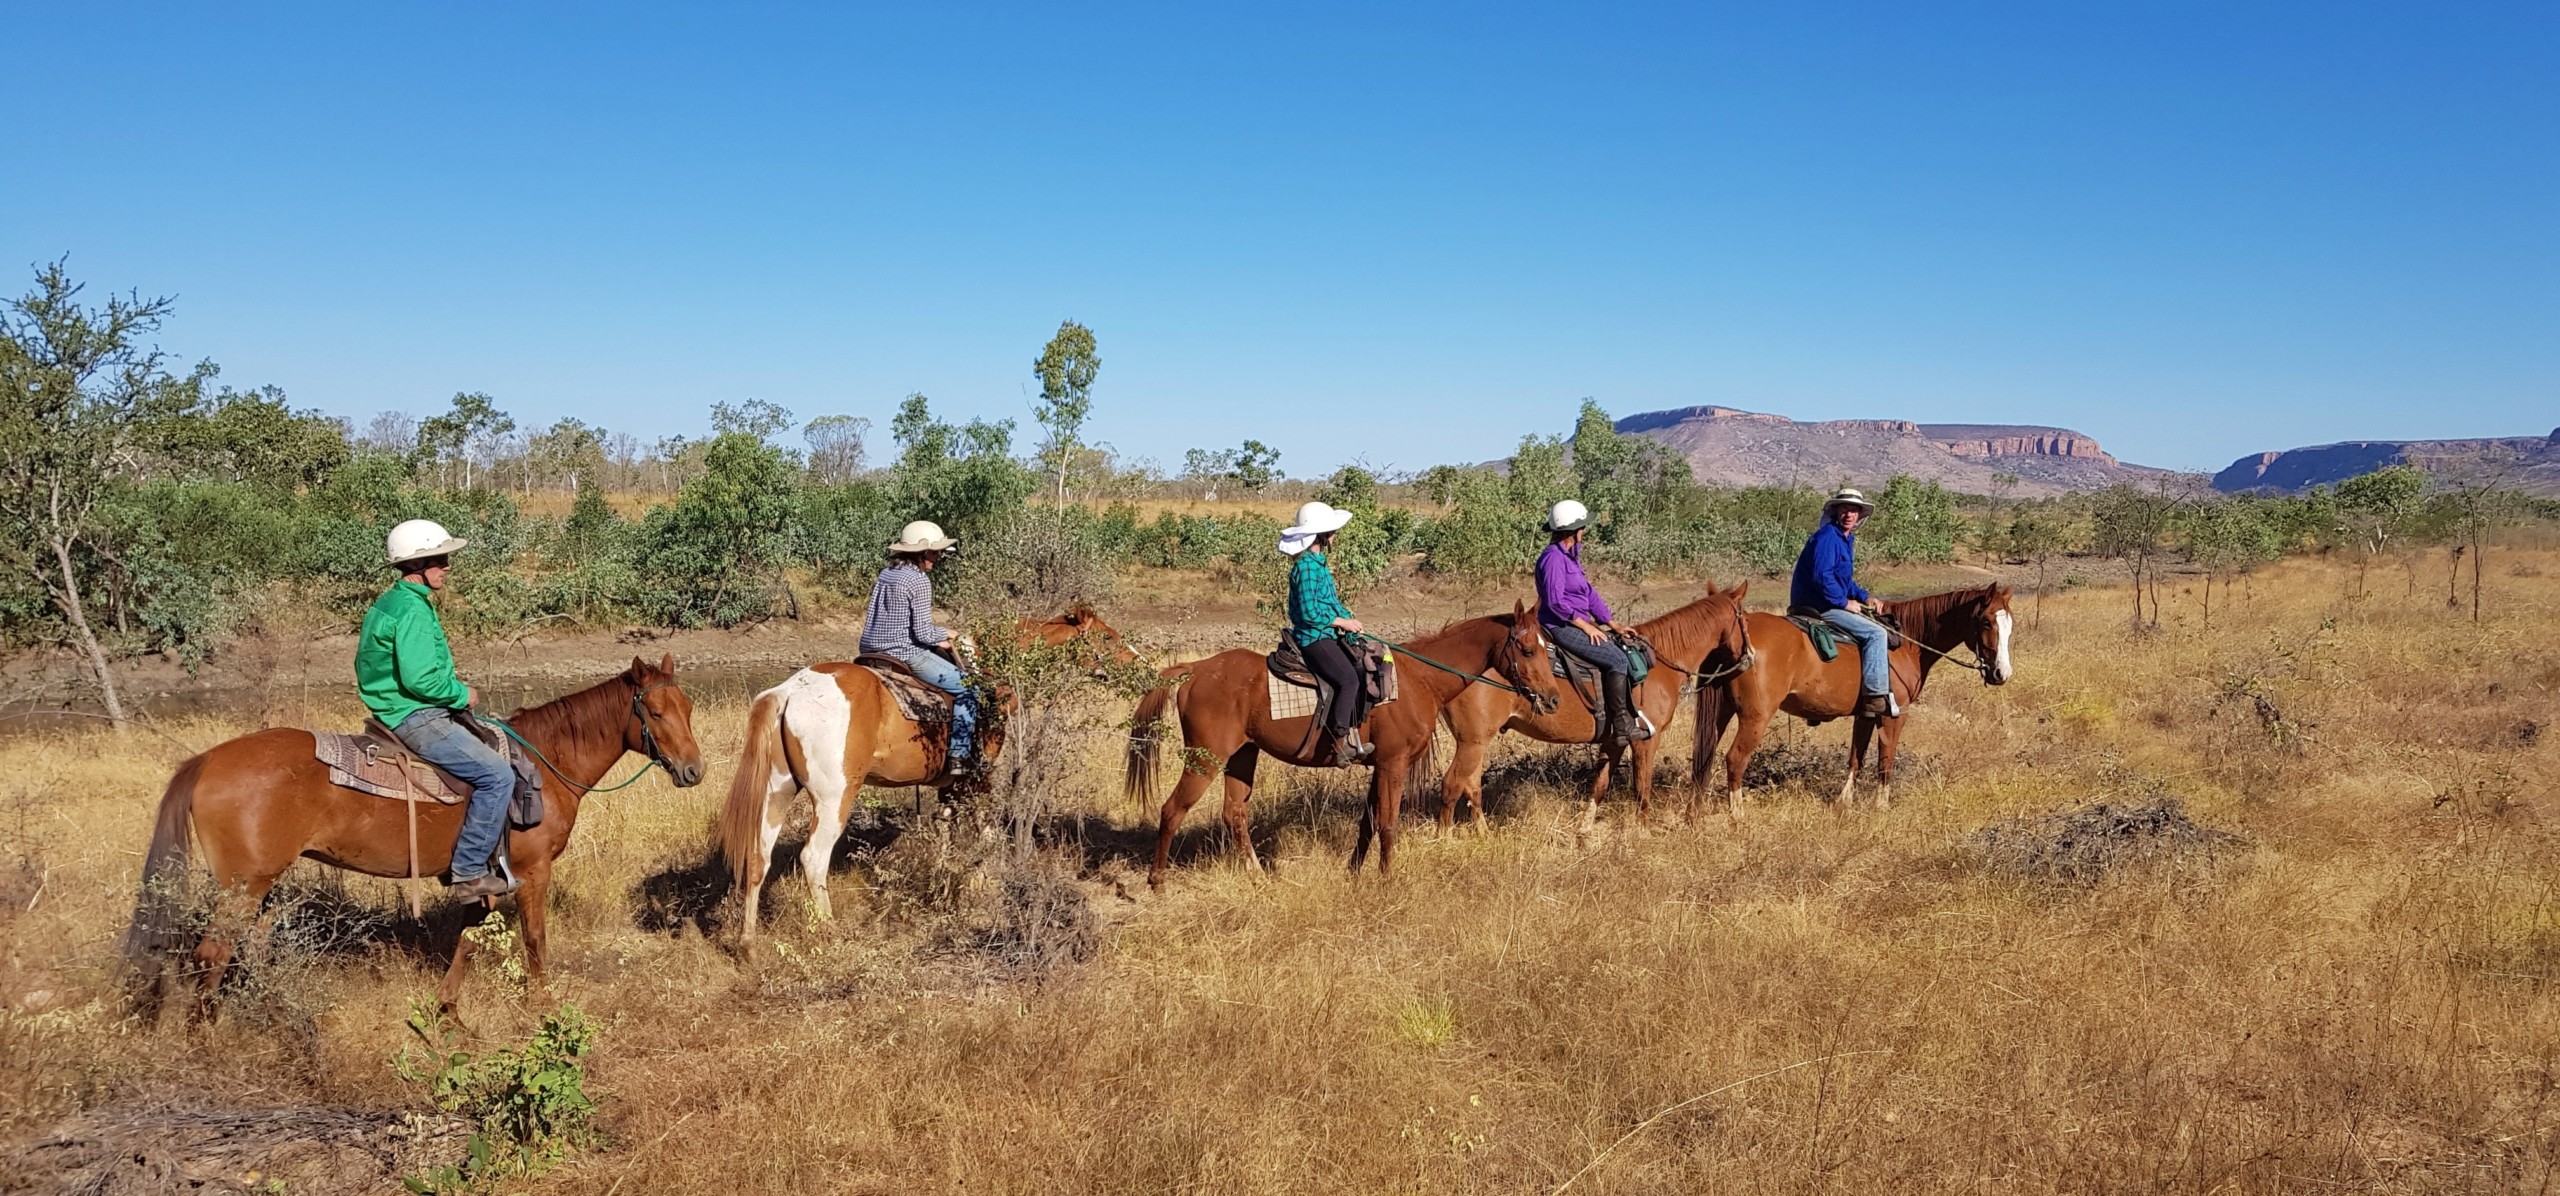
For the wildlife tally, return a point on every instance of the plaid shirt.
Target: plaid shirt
(1314, 603)
(901, 612)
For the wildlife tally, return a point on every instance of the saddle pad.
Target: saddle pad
(361, 763)
(924, 705)
(1288, 698)
(368, 763)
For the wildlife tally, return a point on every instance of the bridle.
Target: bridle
(648, 730)
(648, 741)
(1515, 669)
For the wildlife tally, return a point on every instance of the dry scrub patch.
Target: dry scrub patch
(1814, 999)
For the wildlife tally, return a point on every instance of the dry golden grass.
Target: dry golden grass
(2362, 998)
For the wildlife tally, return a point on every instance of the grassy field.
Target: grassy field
(2357, 996)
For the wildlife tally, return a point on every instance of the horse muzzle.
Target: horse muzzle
(686, 776)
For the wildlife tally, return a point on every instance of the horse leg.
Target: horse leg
(828, 792)
(533, 913)
(1599, 785)
(1386, 807)
(235, 910)
(1737, 758)
(1861, 728)
(1239, 808)
(1886, 744)
(449, 993)
(1644, 758)
(1186, 792)
(1465, 779)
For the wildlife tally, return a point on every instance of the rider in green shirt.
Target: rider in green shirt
(404, 670)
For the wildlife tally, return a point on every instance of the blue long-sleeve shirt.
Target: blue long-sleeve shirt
(1824, 570)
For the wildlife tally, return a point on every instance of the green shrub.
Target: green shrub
(530, 1101)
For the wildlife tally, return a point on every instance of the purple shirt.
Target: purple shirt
(1564, 594)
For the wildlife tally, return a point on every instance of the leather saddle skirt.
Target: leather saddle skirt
(922, 702)
(375, 761)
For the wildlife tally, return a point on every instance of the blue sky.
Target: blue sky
(1404, 234)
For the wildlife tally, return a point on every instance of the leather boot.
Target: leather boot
(1619, 711)
(1875, 706)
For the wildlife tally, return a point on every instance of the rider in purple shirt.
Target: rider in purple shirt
(1578, 620)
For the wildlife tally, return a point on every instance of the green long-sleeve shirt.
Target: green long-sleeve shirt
(403, 664)
(1314, 603)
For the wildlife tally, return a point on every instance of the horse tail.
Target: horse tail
(1138, 782)
(159, 927)
(742, 818)
(1713, 698)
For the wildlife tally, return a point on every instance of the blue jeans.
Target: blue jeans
(1875, 674)
(1601, 654)
(440, 740)
(947, 677)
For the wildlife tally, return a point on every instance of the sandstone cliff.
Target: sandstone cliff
(1732, 447)
(2528, 463)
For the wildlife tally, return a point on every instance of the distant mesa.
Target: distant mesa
(2527, 463)
(1732, 447)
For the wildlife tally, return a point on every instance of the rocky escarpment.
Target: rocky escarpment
(1730, 446)
(2527, 463)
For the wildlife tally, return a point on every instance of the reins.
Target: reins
(648, 739)
(1462, 674)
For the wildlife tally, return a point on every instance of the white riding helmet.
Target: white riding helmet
(1568, 515)
(419, 538)
(923, 535)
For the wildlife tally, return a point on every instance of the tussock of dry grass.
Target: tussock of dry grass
(2362, 997)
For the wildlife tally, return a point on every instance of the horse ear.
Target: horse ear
(638, 669)
(1712, 591)
(667, 664)
(1739, 589)
(1519, 611)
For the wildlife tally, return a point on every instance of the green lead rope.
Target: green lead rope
(583, 790)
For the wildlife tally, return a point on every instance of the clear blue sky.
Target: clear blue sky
(1407, 234)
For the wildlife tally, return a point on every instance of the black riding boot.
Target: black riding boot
(1618, 712)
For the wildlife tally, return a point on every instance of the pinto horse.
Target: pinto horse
(1696, 640)
(1792, 677)
(1225, 708)
(255, 804)
(829, 729)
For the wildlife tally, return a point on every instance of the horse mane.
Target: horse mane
(1682, 622)
(598, 712)
(1926, 611)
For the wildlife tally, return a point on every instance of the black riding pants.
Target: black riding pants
(1332, 661)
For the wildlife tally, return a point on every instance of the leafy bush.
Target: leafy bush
(531, 1101)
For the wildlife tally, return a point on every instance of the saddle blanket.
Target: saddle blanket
(924, 705)
(1288, 698)
(377, 764)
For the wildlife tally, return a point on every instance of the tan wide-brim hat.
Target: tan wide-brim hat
(923, 535)
(1849, 498)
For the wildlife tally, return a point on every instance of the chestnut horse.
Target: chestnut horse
(1082, 626)
(1792, 677)
(1225, 707)
(257, 803)
(830, 729)
(1696, 640)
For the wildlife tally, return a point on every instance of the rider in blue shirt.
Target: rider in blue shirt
(1826, 584)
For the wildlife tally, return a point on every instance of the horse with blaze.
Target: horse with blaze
(1791, 676)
